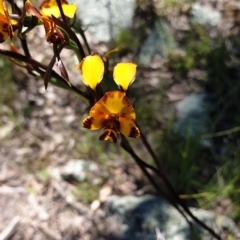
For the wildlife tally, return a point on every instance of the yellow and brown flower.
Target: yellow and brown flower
(53, 33)
(6, 29)
(115, 114)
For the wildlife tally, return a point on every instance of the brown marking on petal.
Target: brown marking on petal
(109, 134)
(53, 34)
(117, 126)
(2, 38)
(126, 102)
(121, 94)
(113, 136)
(88, 122)
(113, 117)
(134, 132)
(104, 98)
(5, 28)
(113, 94)
(103, 136)
(114, 125)
(112, 122)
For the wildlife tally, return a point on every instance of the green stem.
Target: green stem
(221, 133)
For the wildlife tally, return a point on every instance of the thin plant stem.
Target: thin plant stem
(143, 165)
(221, 133)
(174, 194)
(25, 48)
(61, 11)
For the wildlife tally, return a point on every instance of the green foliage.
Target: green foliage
(181, 63)
(43, 175)
(225, 182)
(167, 7)
(197, 173)
(180, 158)
(147, 116)
(89, 147)
(8, 88)
(86, 192)
(198, 40)
(197, 46)
(126, 40)
(37, 165)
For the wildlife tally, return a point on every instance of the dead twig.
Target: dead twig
(10, 229)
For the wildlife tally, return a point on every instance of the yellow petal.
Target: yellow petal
(92, 68)
(124, 74)
(129, 128)
(1, 8)
(117, 102)
(69, 10)
(108, 134)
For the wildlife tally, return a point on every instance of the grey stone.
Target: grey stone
(160, 42)
(78, 169)
(139, 217)
(205, 15)
(193, 116)
(104, 19)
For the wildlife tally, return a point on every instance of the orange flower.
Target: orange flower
(53, 33)
(115, 114)
(5, 22)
